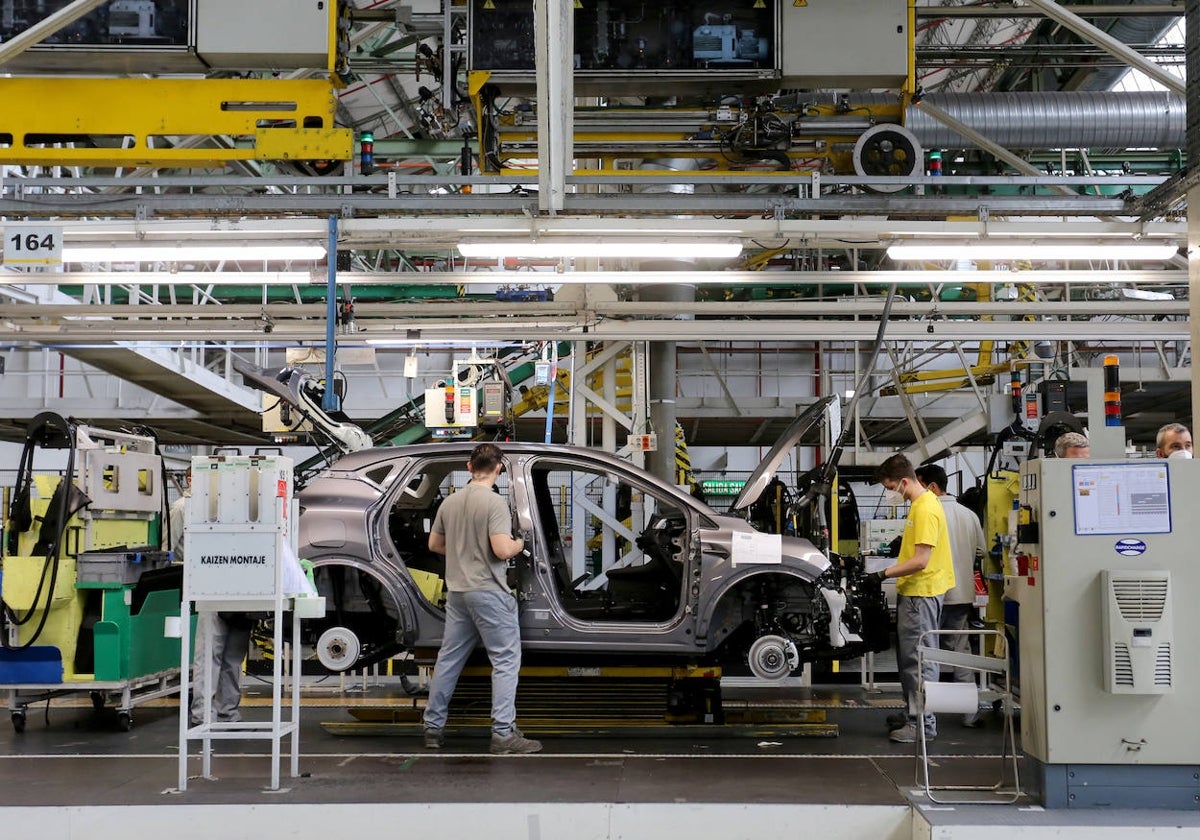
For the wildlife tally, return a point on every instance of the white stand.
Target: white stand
(240, 518)
(274, 730)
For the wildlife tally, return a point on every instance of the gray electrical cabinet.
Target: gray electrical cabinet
(1109, 673)
(852, 44)
(174, 36)
(262, 34)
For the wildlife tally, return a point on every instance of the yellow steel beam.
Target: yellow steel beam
(128, 122)
(476, 79)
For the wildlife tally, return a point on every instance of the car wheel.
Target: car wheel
(338, 648)
(773, 657)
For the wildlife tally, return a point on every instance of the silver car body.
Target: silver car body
(663, 574)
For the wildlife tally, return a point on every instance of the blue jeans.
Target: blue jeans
(471, 617)
(915, 615)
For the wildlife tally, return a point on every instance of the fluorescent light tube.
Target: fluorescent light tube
(300, 251)
(162, 278)
(646, 249)
(931, 250)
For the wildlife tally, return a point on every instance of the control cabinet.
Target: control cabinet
(1109, 670)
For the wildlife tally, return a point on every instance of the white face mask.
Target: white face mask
(1180, 453)
(893, 498)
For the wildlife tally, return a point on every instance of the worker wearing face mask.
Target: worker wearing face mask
(1173, 441)
(925, 572)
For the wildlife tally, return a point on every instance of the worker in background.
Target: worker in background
(1173, 441)
(222, 638)
(966, 546)
(474, 530)
(177, 518)
(925, 572)
(1072, 445)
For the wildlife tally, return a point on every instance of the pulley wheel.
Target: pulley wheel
(773, 657)
(888, 149)
(338, 648)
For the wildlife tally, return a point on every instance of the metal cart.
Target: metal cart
(128, 693)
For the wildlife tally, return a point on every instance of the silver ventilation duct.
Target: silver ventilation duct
(1101, 120)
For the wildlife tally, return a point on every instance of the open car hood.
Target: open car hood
(765, 471)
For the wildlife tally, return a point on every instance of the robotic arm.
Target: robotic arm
(302, 391)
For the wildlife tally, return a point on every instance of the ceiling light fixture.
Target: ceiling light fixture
(932, 250)
(617, 249)
(188, 252)
(162, 278)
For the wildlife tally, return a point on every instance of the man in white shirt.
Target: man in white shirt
(966, 543)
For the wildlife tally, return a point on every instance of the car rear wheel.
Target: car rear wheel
(363, 622)
(338, 648)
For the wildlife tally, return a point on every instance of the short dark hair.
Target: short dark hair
(895, 468)
(485, 457)
(932, 474)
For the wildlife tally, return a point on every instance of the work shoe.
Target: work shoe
(973, 720)
(434, 739)
(895, 721)
(514, 743)
(907, 734)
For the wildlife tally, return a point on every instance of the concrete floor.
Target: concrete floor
(69, 770)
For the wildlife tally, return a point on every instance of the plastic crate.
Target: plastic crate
(117, 568)
(37, 664)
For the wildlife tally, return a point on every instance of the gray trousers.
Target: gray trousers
(222, 645)
(958, 617)
(489, 617)
(915, 615)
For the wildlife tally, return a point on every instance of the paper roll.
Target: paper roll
(172, 627)
(961, 698)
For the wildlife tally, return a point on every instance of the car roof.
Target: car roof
(365, 458)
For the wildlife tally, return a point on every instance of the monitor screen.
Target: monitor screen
(1129, 498)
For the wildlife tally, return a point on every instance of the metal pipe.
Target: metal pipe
(330, 401)
(1103, 120)
(830, 125)
(985, 143)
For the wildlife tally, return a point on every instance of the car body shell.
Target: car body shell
(347, 529)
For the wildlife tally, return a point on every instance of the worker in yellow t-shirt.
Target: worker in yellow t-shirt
(924, 572)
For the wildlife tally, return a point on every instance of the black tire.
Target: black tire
(18, 722)
(124, 721)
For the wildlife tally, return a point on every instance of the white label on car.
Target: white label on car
(753, 547)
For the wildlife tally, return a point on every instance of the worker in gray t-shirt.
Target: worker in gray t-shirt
(473, 529)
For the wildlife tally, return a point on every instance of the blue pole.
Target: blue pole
(550, 404)
(330, 401)
(550, 392)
